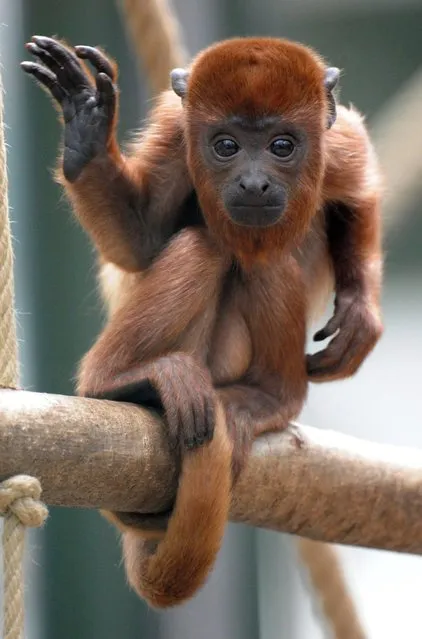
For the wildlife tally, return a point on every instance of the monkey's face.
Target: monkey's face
(255, 164)
(256, 112)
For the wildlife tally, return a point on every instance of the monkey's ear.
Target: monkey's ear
(179, 81)
(332, 75)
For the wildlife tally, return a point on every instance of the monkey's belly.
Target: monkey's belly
(231, 350)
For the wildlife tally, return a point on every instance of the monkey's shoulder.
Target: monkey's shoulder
(351, 171)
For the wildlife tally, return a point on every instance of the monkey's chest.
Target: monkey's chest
(230, 354)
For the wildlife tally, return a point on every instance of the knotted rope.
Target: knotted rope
(21, 507)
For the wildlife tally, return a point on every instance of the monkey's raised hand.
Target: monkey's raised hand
(88, 107)
(359, 328)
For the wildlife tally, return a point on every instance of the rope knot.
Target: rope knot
(20, 496)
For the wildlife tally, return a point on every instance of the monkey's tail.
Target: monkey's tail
(153, 26)
(185, 555)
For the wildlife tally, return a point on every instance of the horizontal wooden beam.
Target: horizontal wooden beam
(98, 454)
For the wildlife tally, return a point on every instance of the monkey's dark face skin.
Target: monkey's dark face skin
(255, 163)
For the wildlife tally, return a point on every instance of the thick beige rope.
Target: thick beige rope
(327, 579)
(8, 343)
(20, 506)
(19, 495)
(157, 38)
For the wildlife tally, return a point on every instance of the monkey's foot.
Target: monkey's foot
(177, 386)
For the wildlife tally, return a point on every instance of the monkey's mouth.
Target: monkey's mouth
(257, 216)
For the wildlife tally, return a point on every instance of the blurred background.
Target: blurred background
(75, 586)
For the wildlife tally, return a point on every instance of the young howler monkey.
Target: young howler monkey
(247, 198)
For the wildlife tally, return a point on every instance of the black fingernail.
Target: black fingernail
(320, 335)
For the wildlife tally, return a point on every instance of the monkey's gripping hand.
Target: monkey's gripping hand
(88, 107)
(359, 328)
(179, 387)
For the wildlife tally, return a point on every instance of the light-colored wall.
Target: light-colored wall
(384, 404)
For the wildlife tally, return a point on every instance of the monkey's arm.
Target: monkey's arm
(353, 225)
(128, 205)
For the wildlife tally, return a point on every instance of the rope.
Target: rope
(20, 506)
(19, 496)
(155, 33)
(328, 581)
(8, 343)
(157, 37)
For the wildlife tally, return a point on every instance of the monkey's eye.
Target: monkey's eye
(282, 147)
(226, 148)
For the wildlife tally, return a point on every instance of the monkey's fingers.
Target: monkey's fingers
(340, 359)
(200, 428)
(241, 435)
(46, 78)
(106, 95)
(342, 307)
(97, 59)
(189, 410)
(44, 56)
(210, 416)
(204, 410)
(72, 74)
(329, 329)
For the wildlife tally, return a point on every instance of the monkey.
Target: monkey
(248, 198)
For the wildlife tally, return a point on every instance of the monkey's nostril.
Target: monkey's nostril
(254, 187)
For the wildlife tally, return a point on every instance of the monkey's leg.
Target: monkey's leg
(252, 410)
(134, 359)
(177, 294)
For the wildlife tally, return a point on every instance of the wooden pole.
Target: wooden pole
(98, 454)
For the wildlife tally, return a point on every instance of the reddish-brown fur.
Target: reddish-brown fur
(220, 313)
(270, 77)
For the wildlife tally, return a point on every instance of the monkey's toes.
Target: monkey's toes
(198, 428)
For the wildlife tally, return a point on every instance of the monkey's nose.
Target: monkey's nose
(253, 185)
